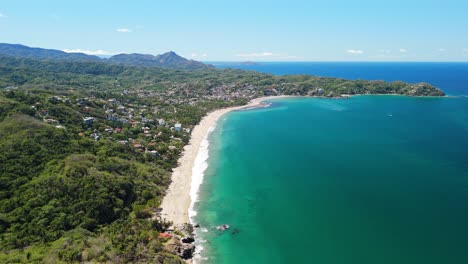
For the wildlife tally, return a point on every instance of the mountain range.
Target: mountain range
(166, 60)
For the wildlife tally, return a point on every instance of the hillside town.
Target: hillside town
(147, 120)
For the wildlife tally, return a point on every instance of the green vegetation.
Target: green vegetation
(55, 184)
(65, 197)
(87, 148)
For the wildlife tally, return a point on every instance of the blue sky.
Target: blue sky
(214, 30)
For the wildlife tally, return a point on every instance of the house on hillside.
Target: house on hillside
(153, 153)
(88, 120)
(112, 118)
(87, 109)
(54, 99)
(51, 121)
(138, 146)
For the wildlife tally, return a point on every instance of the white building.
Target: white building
(88, 120)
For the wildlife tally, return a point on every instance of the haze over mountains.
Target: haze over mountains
(167, 60)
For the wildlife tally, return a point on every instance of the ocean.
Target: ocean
(369, 179)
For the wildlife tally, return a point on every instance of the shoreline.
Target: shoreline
(177, 205)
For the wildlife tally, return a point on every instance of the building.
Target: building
(54, 99)
(113, 118)
(88, 120)
(138, 146)
(153, 153)
(178, 127)
(164, 236)
(51, 121)
(162, 122)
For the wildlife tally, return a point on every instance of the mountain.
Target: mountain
(248, 63)
(18, 50)
(167, 60)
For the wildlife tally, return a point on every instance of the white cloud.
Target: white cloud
(403, 50)
(89, 52)
(123, 30)
(266, 56)
(441, 50)
(256, 55)
(3, 15)
(352, 51)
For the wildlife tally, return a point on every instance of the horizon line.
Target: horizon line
(322, 61)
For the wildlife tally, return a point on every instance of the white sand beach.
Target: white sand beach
(175, 205)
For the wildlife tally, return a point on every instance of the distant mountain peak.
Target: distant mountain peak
(19, 50)
(168, 60)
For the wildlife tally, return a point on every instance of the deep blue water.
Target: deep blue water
(452, 78)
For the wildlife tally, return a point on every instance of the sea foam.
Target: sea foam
(198, 171)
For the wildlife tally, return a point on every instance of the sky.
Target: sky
(256, 30)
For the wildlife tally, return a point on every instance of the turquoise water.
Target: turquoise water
(371, 179)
